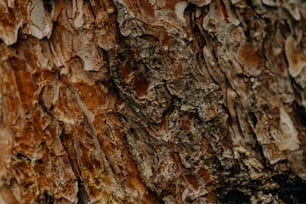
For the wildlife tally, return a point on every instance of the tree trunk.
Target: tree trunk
(153, 101)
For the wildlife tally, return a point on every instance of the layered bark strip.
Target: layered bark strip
(152, 101)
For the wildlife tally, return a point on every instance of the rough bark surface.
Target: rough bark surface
(152, 101)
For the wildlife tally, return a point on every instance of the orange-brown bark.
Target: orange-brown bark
(124, 101)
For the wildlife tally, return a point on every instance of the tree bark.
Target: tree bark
(153, 101)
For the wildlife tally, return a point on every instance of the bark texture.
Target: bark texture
(152, 101)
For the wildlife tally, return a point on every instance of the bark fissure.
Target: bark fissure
(121, 101)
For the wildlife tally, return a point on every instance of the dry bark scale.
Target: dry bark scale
(152, 101)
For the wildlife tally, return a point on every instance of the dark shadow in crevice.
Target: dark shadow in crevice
(48, 199)
(235, 197)
(292, 188)
(48, 5)
(300, 113)
(82, 195)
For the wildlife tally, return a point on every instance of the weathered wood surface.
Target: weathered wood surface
(152, 101)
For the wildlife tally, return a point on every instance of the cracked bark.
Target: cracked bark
(156, 101)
